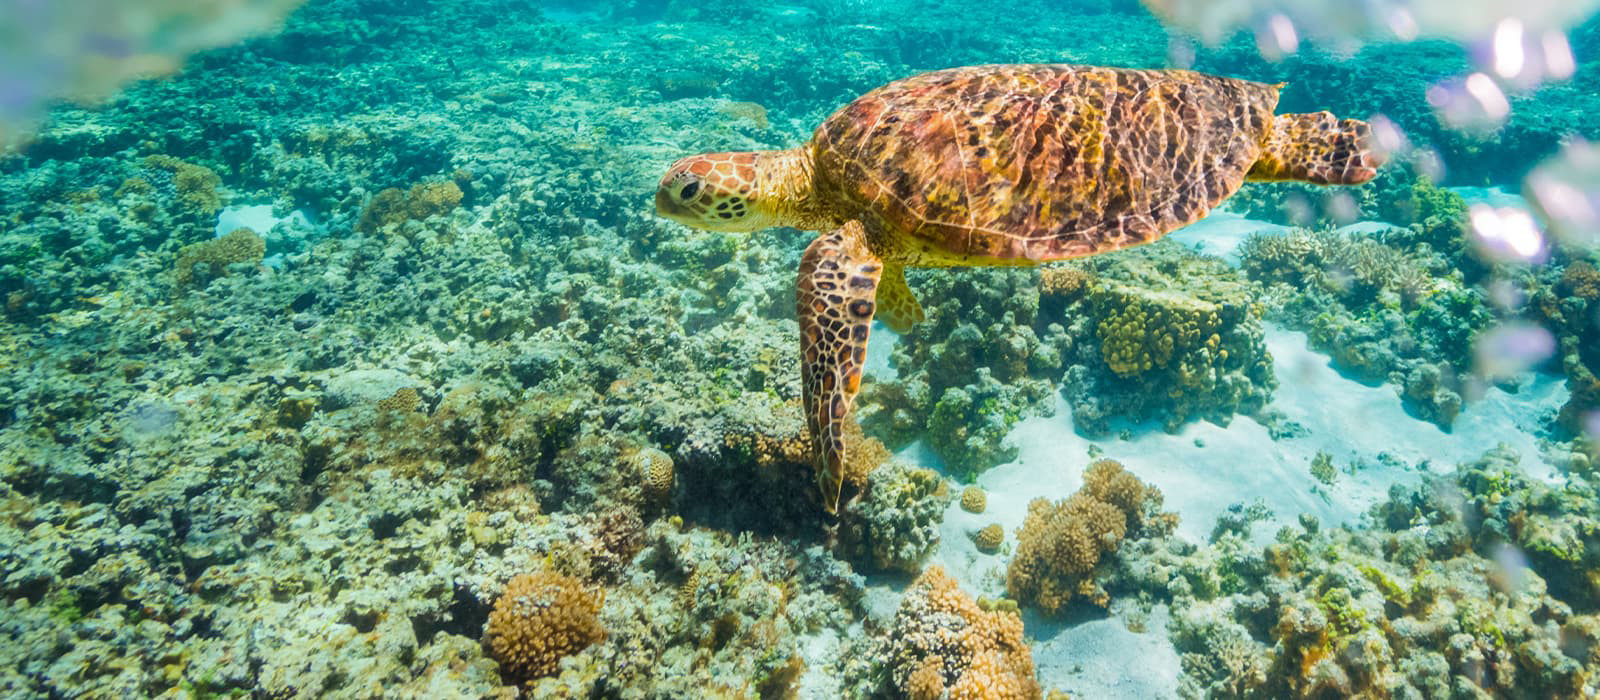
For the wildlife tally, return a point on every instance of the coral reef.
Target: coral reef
(1062, 545)
(316, 478)
(392, 207)
(1400, 306)
(1121, 336)
(1431, 599)
(540, 619)
(989, 539)
(969, 373)
(943, 644)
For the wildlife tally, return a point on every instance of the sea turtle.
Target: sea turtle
(993, 165)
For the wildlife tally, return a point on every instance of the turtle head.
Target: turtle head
(736, 192)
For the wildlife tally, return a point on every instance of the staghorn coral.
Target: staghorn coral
(942, 641)
(1061, 545)
(240, 246)
(973, 499)
(539, 619)
(1401, 305)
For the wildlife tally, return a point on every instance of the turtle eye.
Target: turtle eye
(690, 190)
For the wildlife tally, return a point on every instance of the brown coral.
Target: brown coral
(944, 641)
(196, 184)
(1064, 282)
(404, 400)
(865, 455)
(540, 619)
(241, 246)
(1061, 544)
(989, 538)
(655, 471)
(927, 682)
(1581, 280)
(973, 500)
(391, 206)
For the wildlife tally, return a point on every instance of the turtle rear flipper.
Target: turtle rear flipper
(1318, 148)
(837, 296)
(897, 306)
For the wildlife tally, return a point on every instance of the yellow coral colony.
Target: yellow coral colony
(982, 656)
(540, 619)
(1061, 543)
(973, 499)
(241, 246)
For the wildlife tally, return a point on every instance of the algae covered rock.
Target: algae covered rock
(1165, 336)
(894, 525)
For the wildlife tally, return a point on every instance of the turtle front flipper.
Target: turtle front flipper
(837, 296)
(897, 306)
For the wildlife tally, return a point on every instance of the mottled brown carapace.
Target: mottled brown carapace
(1025, 164)
(994, 165)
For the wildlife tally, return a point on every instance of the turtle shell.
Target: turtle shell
(1023, 163)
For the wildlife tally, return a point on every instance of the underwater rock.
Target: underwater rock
(364, 386)
(894, 525)
(1165, 334)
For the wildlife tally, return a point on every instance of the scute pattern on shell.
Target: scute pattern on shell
(1024, 163)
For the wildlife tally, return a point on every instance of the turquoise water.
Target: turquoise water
(345, 354)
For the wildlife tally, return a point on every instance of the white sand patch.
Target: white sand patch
(1102, 658)
(1492, 196)
(258, 218)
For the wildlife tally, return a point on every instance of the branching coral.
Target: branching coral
(942, 641)
(541, 618)
(1061, 544)
(1473, 586)
(241, 246)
